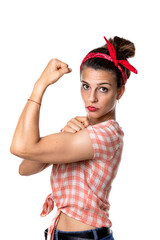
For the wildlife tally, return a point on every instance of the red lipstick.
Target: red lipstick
(92, 109)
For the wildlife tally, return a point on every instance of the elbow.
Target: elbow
(18, 151)
(22, 172)
(15, 151)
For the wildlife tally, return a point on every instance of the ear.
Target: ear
(120, 92)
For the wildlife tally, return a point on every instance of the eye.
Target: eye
(85, 86)
(104, 89)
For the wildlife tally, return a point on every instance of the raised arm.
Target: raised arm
(27, 130)
(55, 148)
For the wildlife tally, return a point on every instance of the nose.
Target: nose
(93, 96)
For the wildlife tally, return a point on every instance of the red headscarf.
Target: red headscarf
(113, 59)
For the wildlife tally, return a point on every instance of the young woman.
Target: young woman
(86, 154)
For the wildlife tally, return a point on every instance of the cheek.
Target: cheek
(83, 94)
(109, 101)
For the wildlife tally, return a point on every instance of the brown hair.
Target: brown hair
(124, 50)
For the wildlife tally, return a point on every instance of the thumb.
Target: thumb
(86, 123)
(64, 70)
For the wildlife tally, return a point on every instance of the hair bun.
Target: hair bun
(123, 47)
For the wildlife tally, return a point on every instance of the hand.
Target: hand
(53, 71)
(76, 124)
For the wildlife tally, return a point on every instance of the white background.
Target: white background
(33, 32)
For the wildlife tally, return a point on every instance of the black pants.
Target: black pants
(93, 234)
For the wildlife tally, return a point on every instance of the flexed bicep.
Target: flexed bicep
(60, 148)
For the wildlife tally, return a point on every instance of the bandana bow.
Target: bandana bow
(124, 63)
(112, 58)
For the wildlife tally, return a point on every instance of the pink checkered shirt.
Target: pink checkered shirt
(81, 189)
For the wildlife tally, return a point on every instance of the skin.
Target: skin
(39, 153)
(26, 141)
(103, 97)
(99, 89)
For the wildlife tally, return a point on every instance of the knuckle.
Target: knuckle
(51, 60)
(72, 130)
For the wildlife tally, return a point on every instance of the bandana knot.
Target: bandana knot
(112, 58)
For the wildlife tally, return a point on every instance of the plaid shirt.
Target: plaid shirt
(81, 189)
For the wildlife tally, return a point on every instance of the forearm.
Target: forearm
(27, 135)
(27, 130)
(28, 167)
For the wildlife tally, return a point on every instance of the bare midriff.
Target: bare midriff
(67, 223)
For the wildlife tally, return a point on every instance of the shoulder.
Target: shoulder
(106, 138)
(110, 127)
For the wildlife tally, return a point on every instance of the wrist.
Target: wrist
(40, 85)
(38, 91)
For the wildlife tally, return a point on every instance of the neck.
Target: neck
(109, 116)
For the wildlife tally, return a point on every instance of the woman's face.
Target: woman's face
(99, 90)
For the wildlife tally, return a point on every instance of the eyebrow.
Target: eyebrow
(98, 83)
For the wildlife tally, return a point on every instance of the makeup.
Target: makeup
(92, 109)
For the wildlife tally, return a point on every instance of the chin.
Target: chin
(94, 116)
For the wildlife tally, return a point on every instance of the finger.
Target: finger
(79, 122)
(75, 125)
(68, 129)
(64, 70)
(86, 123)
(84, 120)
(63, 67)
(61, 64)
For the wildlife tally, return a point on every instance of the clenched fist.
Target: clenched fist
(53, 71)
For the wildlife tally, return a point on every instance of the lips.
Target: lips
(91, 108)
